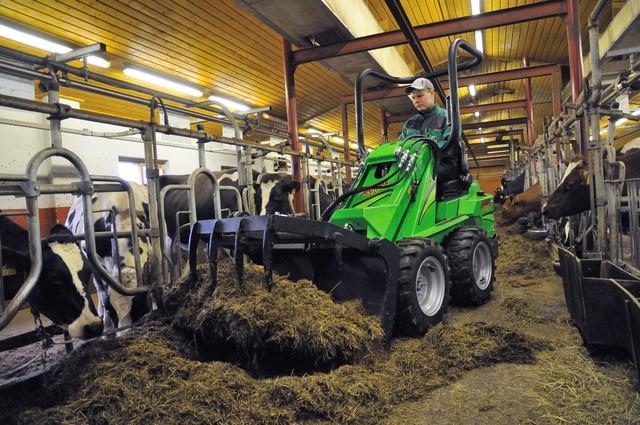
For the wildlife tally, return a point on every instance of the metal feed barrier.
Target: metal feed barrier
(604, 303)
(27, 186)
(601, 280)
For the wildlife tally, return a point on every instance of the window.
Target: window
(134, 169)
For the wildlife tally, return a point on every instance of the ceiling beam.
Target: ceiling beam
(487, 78)
(491, 163)
(487, 107)
(498, 123)
(399, 14)
(509, 16)
(504, 134)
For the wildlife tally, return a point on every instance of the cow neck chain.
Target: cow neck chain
(45, 339)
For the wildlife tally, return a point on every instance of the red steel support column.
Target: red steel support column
(292, 119)
(531, 129)
(345, 136)
(574, 47)
(384, 126)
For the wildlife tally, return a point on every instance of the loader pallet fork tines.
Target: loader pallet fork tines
(401, 240)
(337, 260)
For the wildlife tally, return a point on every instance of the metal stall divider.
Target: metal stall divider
(27, 186)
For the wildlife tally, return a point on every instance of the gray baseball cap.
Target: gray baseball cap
(419, 84)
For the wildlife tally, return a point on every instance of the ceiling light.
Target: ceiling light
(353, 145)
(477, 114)
(475, 7)
(338, 139)
(482, 140)
(231, 104)
(479, 43)
(97, 61)
(46, 45)
(162, 82)
(472, 90)
(314, 131)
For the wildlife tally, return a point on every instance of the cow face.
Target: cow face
(275, 194)
(572, 195)
(62, 291)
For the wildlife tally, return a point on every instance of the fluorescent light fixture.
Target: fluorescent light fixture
(475, 7)
(482, 140)
(231, 104)
(353, 145)
(479, 43)
(477, 114)
(472, 90)
(636, 113)
(97, 61)
(314, 131)
(44, 44)
(338, 139)
(497, 146)
(157, 80)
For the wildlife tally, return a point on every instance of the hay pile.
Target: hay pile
(520, 310)
(294, 328)
(573, 389)
(523, 263)
(145, 378)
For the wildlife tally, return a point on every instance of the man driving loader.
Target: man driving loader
(431, 121)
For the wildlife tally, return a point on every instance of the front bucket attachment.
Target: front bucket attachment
(341, 262)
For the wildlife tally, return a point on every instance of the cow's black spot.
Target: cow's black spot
(103, 245)
(71, 217)
(145, 207)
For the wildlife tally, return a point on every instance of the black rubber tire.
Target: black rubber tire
(459, 247)
(410, 319)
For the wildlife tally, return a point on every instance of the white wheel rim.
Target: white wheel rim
(482, 265)
(430, 286)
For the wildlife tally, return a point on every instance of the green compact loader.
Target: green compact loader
(406, 237)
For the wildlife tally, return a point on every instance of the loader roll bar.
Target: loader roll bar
(452, 71)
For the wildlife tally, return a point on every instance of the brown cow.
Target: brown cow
(520, 205)
(572, 195)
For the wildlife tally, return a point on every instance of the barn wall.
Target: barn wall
(489, 178)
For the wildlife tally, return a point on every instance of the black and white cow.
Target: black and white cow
(123, 310)
(62, 290)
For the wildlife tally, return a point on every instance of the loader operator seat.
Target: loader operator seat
(453, 171)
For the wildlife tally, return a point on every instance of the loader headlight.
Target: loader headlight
(348, 227)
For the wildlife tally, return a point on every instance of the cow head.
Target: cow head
(62, 291)
(275, 194)
(572, 195)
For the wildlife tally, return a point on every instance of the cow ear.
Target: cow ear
(60, 230)
(62, 233)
